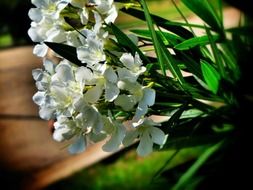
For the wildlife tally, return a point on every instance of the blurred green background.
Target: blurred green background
(14, 23)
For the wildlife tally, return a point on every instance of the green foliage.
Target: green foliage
(195, 41)
(211, 76)
(206, 12)
(204, 105)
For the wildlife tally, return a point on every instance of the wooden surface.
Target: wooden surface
(26, 143)
(25, 140)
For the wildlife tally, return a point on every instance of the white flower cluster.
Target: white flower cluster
(82, 99)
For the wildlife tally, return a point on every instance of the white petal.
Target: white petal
(98, 123)
(78, 146)
(83, 74)
(116, 139)
(39, 98)
(111, 92)
(149, 96)
(158, 136)
(145, 146)
(37, 74)
(93, 94)
(97, 137)
(60, 94)
(82, 53)
(56, 35)
(110, 75)
(113, 14)
(64, 72)
(32, 32)
(40, 50)
(128, 60)
(46, 113)
(49, 66)
(59, 132)
(39, 3)
(98, 22)
(35, 14)
(125, 102)
(126, 75)
(130, 137)
(141, 110)
(137, 60)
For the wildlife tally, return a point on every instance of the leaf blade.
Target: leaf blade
(66, 51)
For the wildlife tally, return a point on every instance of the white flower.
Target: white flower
(50, 8)
(66, 129)
(117, 132)
(106, 8)
(106, 81)
(148, 99)
(81, 129)
(40, 50)
(46, 20)
(67, 86)
(133, 67)
(144, 96)
(42, 98)
(92, 52)
(145, 131)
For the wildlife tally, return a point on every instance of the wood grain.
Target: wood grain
(26, 143)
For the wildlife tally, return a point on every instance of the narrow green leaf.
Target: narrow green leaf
(125, 42)
(171, 38)
(164, 23)
(66, 51)
(196, 41)
(163, 55)
(176, 115)
(205, 11)
(188, 175)
(231, 61)
(211, 76)
(192, 65)
(216, 54)
(154, 36)
(170, 62)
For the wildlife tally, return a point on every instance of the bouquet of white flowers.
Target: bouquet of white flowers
(111, 85)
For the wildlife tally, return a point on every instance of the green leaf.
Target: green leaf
(171, 38)
(176, 115)
(159, 21)
(66, 51)
(217, 54)
(205, 11)
(211, 76)
(188, 175)
(196, 41)
(125, 42)
(192, 65)
(154, 36)
(163, 55)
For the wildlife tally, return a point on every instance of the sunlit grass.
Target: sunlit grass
(125, 171)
